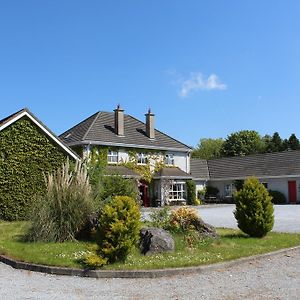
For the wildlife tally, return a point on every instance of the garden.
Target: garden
(86, 219)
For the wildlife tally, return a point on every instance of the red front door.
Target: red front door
(292, 192)
(143, 188)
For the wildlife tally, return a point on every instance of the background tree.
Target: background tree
(276, 142)
(208, 148)
(243, 143)
(293, 142)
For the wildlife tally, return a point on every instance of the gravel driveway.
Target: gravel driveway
(287, 217)
(277, 277)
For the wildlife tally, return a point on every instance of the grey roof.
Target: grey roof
(285, 163)
(171, 173)
(99, 129)
(199, 169)
(121, 170)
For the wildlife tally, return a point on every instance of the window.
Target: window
(142, 159)
(229, 189)
(112, 157)
(169, 159)
(177, 191)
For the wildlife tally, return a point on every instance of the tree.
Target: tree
(243, 143)
(254, 210)
(276, 142)
(293, 142)
(208, 148)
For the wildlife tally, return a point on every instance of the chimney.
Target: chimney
(119, 120)
(150, 124)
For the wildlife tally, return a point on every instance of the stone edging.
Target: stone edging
(135, 273)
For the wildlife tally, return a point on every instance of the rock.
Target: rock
(155, 240)
(205, 230)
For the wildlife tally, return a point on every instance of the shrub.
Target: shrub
(211, 191)
(94, 261)
(183, 219)
(119, 228)
(191, 192)
(116, 185)
(254, 210)
(198, 202)
(60, 214)
(201, 194)
(277, 197)
(25, 153)
(160, 218)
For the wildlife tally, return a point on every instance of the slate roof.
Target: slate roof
(99, 129)
(199, 169)
(171, 173)
(122, 171)
(285, 163)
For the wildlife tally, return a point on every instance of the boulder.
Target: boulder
(205, 230)
(155, 240)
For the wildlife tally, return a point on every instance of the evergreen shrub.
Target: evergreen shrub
(119, 228)
(191, 192)
(254, 209)
(277, 197)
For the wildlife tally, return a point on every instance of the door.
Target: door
(292, 191)
(143, 188)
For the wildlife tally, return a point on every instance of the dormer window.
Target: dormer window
(142, 159)
(112, 157)
(169, 159)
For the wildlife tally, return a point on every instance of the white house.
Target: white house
(278, 171)
(126, 139)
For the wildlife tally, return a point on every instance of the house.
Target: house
(28, 150)
(162, 162)
(278, 171)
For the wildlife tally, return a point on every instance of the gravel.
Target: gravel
(276, 277)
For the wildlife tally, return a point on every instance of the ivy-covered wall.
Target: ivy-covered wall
(26, 153)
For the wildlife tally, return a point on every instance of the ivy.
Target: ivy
(26, 154)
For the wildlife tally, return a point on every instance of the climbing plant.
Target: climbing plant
(26, 154)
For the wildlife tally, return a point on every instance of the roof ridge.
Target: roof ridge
(88, 130)
(78, 124)
(162, 133)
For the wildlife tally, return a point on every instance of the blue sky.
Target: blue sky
(206, 68)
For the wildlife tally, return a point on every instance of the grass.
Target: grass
(231, 245)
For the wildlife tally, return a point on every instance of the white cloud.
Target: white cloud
(197, 81)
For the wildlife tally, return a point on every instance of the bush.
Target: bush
(201, 194)
(160, 218)
(191, 192)
(116, 185)
(60, 214)
(119, 228)
(254, 210)
(211, 191)
(183, 219)
(277, 197)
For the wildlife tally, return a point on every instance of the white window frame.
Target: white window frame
(112, 157)
(229, 189)
(177, 191)
(169, 159)
(142, 159)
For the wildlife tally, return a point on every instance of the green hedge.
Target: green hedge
(25, 154)
(191, 192)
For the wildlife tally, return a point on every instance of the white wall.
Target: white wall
(276, 184)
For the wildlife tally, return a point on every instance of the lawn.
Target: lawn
(231, 245)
